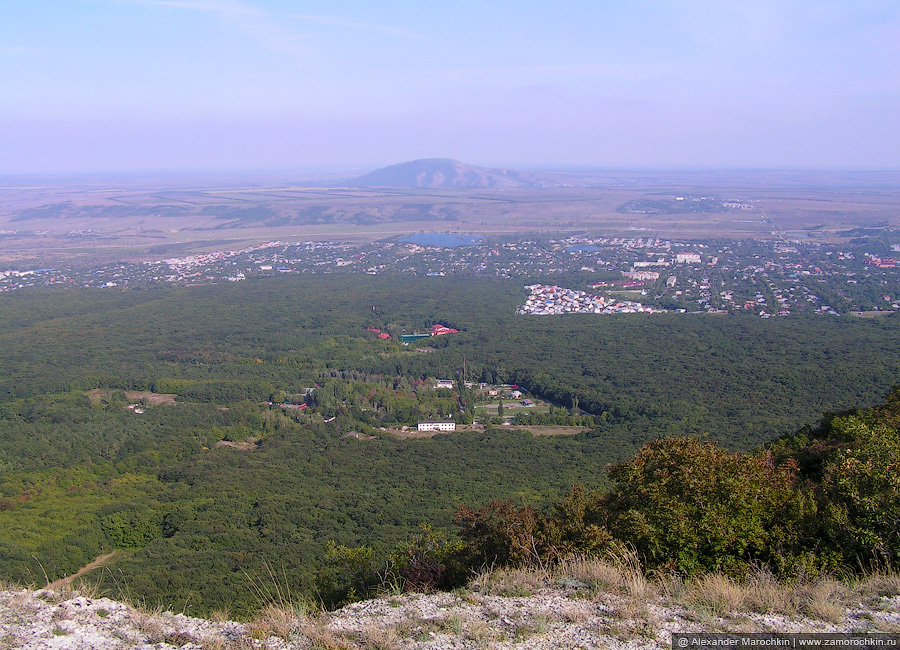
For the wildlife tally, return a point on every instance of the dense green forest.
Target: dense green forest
(193, 522)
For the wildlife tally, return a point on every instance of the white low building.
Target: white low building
(437, 425)
(687, 258)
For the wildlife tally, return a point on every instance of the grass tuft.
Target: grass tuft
(380, 638)
(715, 594)
(321, 638)
(274, 620)
(510, 582)
(281, 613)
(876, 585)
(767, 595)
(826, 600)
(618, 570)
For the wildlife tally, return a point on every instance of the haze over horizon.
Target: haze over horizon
(133, 85)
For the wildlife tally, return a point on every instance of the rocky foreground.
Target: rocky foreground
(555, 614)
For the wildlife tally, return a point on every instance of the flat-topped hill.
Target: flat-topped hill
(445, 172)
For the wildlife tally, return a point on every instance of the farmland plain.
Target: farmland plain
(44, 220)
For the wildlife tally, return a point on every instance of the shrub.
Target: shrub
(575, 526)
(430, 561)
(689, 506)
(504, 534)
(500, 533)
(861, 489)
(349, 574)
(132, 527)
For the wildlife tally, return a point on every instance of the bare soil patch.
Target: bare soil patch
(250, 444)
(410, 433)
(98, 562)
(154, 399)
(357, 435)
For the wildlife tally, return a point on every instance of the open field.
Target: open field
(153, 399)
(536, 430)
(871, 314)
(249, 444)
(114, 218)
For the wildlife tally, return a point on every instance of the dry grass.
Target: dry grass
(87, 587)
(826, 600)
(767, 595)
(460, 625)
(510, 582)
(546, 430)
(541, 623)
(147, 622)
(634, 629)
(6, 585)
(322, 638)
(20, 603)
(275, 620)
(414, 625)
(380, 638)
(823, 598)
(620, 599)
(595, 573)
(618, 570)
(471, 598)
(573, 613)
(282, 612)
(179, 638)
(877, 585)
(715, 601)
(715, 594)
(220, 615)
(218, 643)
(617, 577)
(482, 631)
(670, 585)
(629, 609)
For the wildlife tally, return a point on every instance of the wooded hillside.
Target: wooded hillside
(81, 474)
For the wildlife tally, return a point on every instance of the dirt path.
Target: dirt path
(98, 562)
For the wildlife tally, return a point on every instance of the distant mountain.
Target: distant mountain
(445, 172)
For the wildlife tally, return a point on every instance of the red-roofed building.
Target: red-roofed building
(438, 330)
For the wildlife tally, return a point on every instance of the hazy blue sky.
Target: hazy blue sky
(192, 84)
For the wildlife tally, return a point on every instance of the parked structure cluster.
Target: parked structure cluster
(547, 300)
(766, 278)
